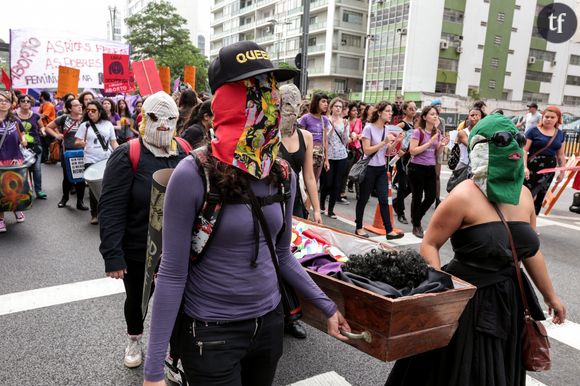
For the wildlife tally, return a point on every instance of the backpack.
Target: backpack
(135, 150)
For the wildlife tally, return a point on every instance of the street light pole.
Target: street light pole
(113, 16)
(305, 27)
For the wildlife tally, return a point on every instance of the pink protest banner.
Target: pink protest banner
(147, 77)
(116, 73)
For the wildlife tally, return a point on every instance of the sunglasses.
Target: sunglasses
(91, 110)
(25, 101)
(504, 138)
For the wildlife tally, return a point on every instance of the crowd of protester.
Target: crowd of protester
(322, 138)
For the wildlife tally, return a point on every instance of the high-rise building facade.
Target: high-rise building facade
(337, 30)
(195, 12)
(480, 48)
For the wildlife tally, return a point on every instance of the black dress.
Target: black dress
(296, 161)
(485, 350)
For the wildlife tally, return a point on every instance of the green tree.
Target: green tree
(158, 33)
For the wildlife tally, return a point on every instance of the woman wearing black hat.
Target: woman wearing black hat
(230, 294)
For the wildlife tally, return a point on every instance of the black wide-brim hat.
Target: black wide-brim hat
(243, 60)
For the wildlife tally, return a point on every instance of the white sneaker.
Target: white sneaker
(133, 352)
(2, 226)
(20, 217)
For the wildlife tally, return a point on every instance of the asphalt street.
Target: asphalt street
(81, 342)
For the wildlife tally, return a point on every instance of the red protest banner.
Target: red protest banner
(147, 77)
(116, 73)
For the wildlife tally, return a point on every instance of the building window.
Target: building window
(494, 63)
(575, 60)
(571, 100)
(491, 84)
(483, 24)
(311, 41)
(548, 56)
(486, 1)
(352, 17)
(339, 86)
(480, 46)
(349, 63)
(517, 6)
(507, 73)
(452, 15)
(477, 69)
(540, 76)
(511, 52)
(500, 17)
(447, 88)
(351, 40)
(535, 97)
(573, 80)
(447, 64)
(514, 29)
(497, 40)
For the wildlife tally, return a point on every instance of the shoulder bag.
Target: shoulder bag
(537, 153)
(359, 169)
(534, 339)
(104, 145)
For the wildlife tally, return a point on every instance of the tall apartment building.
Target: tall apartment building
(196, 13)
(480, 48)
(337, 30)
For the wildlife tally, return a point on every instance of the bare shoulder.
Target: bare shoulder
(307, 136)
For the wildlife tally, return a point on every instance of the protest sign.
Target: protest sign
(68, 80)
(165, 76)
(147, 77)
(35, 56)
(189, 76)
(116, 73)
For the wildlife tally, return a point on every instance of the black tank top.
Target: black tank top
(296, 159)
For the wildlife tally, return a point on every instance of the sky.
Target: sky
(89, 18)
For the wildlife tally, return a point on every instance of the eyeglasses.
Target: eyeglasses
(5, 101)
(504, 138)
(25, 101)
(91, 110)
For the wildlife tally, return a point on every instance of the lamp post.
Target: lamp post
(113, 16)
(279, 35)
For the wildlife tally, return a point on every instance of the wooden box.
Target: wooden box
(390, 329)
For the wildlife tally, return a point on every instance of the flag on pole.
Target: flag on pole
(6, 80)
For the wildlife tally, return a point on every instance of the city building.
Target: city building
(337, 30)
(197, 14)
(114, 24)
(478, 48)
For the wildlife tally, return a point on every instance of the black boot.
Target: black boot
(575, 207)
(295, 329)
(62, 202)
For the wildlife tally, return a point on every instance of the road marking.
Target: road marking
(571, 218)
(60, 294)
(326, 379)
(542, 222)
(346, 221)
(532, 382)
(567, 333)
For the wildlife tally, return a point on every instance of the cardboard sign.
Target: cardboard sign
(115, 67)
(165, 76)
(189, 76)
(68, 80)
(147, 77)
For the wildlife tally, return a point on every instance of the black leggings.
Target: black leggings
(422, 181)
(375, 178)
(332, 182)
(133, 281)
(404, 189)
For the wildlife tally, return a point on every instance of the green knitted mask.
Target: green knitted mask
(497, 159)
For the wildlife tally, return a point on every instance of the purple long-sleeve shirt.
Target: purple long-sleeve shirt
(222, 285)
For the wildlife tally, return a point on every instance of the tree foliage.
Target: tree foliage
(158, 32)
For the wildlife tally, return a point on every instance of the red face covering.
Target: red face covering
(246, 117)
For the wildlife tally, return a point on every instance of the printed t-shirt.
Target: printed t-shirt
(314, 126)
(93, 149)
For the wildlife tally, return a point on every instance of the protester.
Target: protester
(531, 119)
(338, 138)
(85, 98)
(439, 156)
(111, 109)
(354, 146)
(126, 122)
(232, 292)
(66, 97)
(47, 113)
(187, 101)
(316, 122)
(401, 179)
(11, 138)
(96, 135)
(398, 113)
(426, 143)
(199, 125)
(124, 210)
(486, 347)
(137, 111)
(64, 129)
(544, 149)
(33, 130)
(376, 142)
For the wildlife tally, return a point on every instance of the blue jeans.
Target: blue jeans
(37, 173)
(240, 353)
